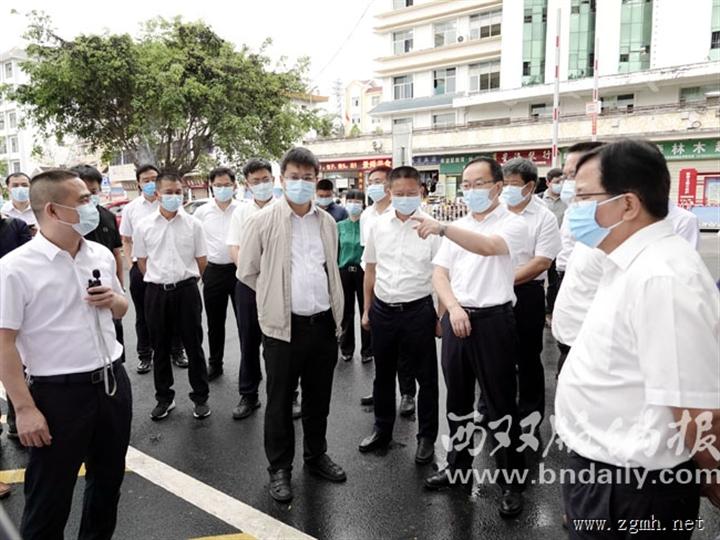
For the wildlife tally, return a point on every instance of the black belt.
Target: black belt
(487, 311)
(404, 306)
(352, 268)
(530, 284)
(173, 286)
(227, 266)
(96, 376)
(312, 319)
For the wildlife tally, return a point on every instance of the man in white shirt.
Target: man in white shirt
(259, 180)
(133, 213)
(288, 255)
(530, 271)
(684, 223)
(171, 253)
(551, 198)
(378, 191)
(473, 277)
(18, 207)
(219, 276)
(56, 320)
(399, 313)
(640, 389)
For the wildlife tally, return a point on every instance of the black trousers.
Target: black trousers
(218, 286)
(87, 427)
(487, 356)
(410, 332)
(530, 319)
(310, 356)
(553, 287)
(352, 283)
(564, 351)
(178, 308)
(137, 293)
(250, 340)
(658, 505)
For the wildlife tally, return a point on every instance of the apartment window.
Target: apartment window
(355, 120)
(403, 87)
(8, 70)
(715, 40)
(443, 120)
(484, 25)
(485, 76)
(3, 145)
(697, 93)
(534, 31)
(13, 145)
(715, 31)
(375, 121)
(356, 102)
(375, 101)
(402, 121)
(444, 81)
(445, 33)
(635, 35)
(15, 166)
(399, 4)
(582, 39)
(12, 119)
(2, 120)
(623, 102)
(538, 110)
(402, 41)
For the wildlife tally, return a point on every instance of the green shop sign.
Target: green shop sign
(690, 149)
(454, 165)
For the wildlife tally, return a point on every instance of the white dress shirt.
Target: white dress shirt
(368, 219)
(685, 224)
(216, 224)
(309, 284)
(133, 213)
(42, 296)
(403, 260)
(543, 237)
(243, 211)
(577, 291)
(478, 281)
(27, 215)
(170, 246)
(567, 243)
(649, 342)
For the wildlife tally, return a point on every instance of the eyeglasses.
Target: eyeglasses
(258, 181)
(579, 197)
(476, 184)
(307, 178)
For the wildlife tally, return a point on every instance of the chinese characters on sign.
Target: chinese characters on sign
(540, 156)
(690, 149)
(355, 164)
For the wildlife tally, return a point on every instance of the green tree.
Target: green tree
(170, 96)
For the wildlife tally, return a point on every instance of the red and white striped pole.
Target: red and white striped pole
(556, 94)
(596, 101)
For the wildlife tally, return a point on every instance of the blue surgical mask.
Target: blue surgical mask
(171, 203)
(354, 208)
(263, 192)
(556, 188)
(376, 192)
(89, 218)
(478, 200)
(224, 193)
(20, 193)
(583, 225)
(512, 195)
(323, 201)
(149, 189)
(406, 205)
(95, 199)
(567, 192)
(277, 192)
(299, 191)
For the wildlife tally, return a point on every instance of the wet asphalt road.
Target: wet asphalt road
(383, 498)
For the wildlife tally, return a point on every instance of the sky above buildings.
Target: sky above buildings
(336, 34)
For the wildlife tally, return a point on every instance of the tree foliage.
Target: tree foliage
(169, 96)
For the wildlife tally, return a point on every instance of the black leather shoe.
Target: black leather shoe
(367, 358)
(407, 406)
(511, 504)
(214, 372)
(280, 488)
(439, 480)
(376, 441)
(367, 401)
(425, 451)
(144, 366)
(326, 468)
(246, 407)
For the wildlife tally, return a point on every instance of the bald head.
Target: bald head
(53, 186)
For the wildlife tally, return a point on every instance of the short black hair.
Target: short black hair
(145, 168)
(46, 187)
(222, 171)
(380, 168)
(170, 176)
(634, 166)
(355, 195)
(255, 165)
(405, 171)
(15, 175)
(325, 184)
(88, 173)
(553, 173)
(523, 167)
(495, 168)
(300, 156)
(584, 146)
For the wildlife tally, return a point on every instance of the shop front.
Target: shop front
(351, 173)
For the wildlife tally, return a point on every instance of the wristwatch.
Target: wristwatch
(443, 228)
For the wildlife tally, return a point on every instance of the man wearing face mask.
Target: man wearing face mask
(520, 176)
(171, 252)
(473, 277)
(219, 276)
(288, 255)
(400, 315)
(551, 198)
(324, 198)
(18, 206)
(77, 407)
(647, 351)
(259, 182)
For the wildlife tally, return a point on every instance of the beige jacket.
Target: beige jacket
(265, 264)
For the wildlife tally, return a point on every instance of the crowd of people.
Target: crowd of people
(602, 256)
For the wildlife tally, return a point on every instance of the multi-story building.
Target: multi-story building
(474, 77)
(16, 141)
(360, 98)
